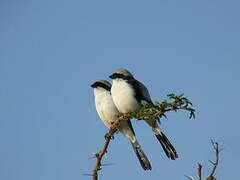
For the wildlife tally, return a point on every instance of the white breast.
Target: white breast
(123, 96)
(105, 107)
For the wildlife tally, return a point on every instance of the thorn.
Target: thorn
(213, 163)
(215, 144)
(189, 177)
(108, 164)
(93, 155)
(87, 174)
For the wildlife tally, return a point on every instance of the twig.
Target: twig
(199, 171)
(103, 151)
(215, 164)
(99, 158)
(189, 177)
(158, 109)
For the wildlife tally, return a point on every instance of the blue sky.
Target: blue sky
(51, 51)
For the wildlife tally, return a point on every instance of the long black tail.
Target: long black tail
(167, 146)
(141, 156)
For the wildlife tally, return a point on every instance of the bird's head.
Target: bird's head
(101, 84)
(122, 74)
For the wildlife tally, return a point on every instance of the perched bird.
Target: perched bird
(129, 95)
(108, 112)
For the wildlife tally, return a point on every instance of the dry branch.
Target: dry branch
(214, 164)
(103, 151)
(199, 171)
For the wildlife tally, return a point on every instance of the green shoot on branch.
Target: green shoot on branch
(158, 109)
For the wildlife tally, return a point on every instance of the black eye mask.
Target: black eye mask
(100, 84)
(121, 76)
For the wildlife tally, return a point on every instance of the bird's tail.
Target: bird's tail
(166, 145)
(141, 156)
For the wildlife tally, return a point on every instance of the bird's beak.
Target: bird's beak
(92, 85)
(112, 76)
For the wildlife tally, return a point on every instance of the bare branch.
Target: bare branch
(103, 151)
(215, 164)
(199, 171)
(189, 177)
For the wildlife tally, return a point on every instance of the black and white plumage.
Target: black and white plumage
(129, 95)
(107, 112)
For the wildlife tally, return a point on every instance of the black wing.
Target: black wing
(140, 91)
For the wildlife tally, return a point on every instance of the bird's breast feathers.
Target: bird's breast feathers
(106, 109)
(124, 96)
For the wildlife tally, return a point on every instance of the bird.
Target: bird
(129, 95)
(108, 112)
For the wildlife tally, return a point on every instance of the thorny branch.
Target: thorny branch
(100, 155)
(147, 112)
(215, 164)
